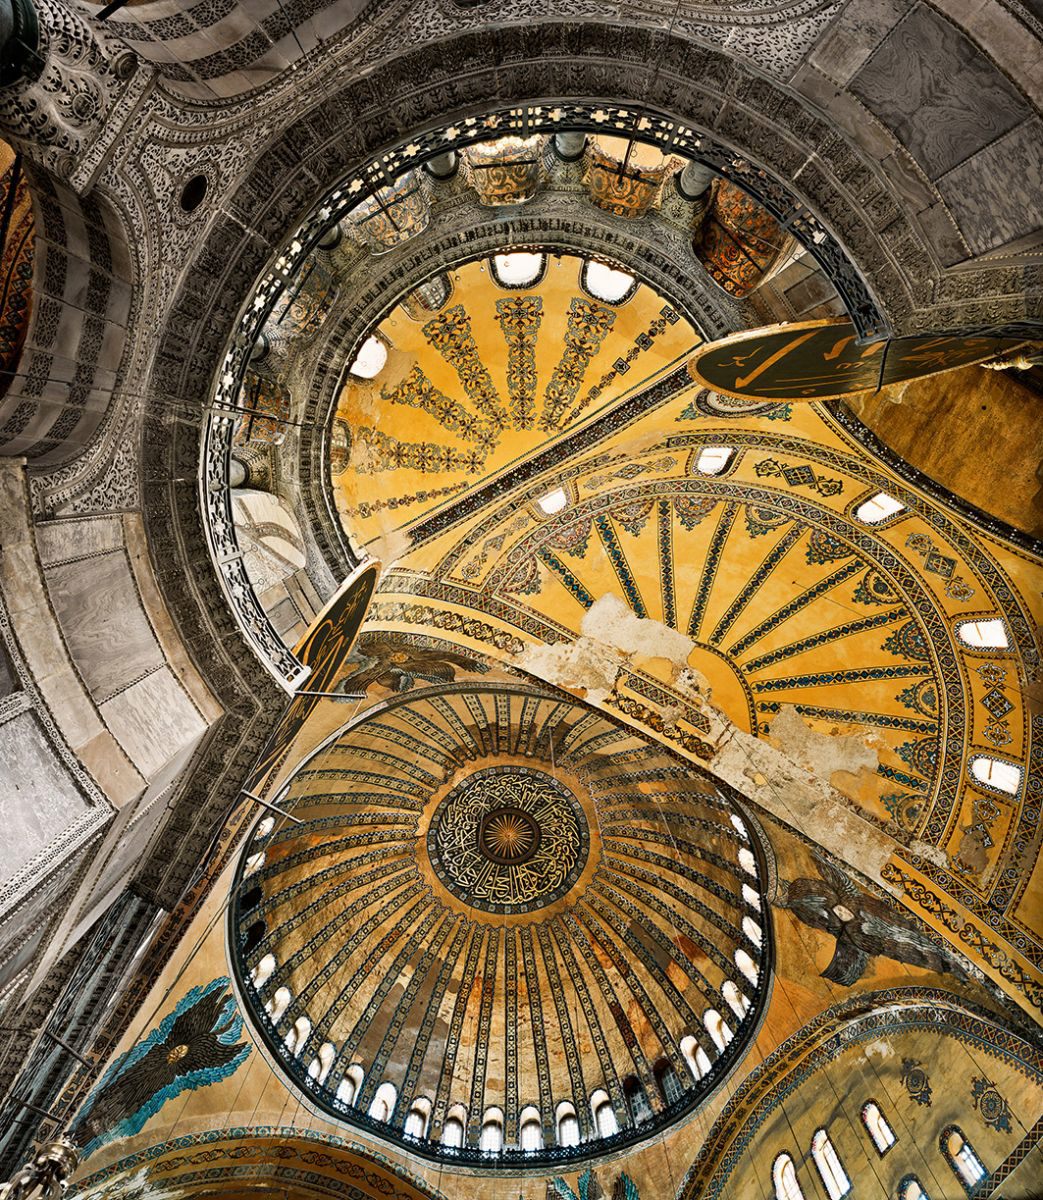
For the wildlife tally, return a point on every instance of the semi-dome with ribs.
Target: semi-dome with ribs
(507, 926)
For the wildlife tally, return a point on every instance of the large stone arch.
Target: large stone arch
(452, 80)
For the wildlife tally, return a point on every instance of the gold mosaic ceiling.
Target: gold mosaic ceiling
(471, 389)
(499, 901)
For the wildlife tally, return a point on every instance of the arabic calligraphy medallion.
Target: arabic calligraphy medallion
(509, 840)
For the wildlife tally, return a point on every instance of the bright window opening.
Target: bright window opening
(491, 1140)
(740, 827)
(910, 1188)
(567, 1124)
(753, 931)
(983, 635)
(747, 966)
(417, 1118)
(604, 1118)
(518, 269)
(998, 774)
(350, 1086)
(264, 970)
(278, 1004)
(967, 1165)
(878, 508)
(370, 360)
(737, 1001)
(553, 502)
(298, 1035)
(751, 896)
(834, 1177)
(320, 1065)
(254, 863)
(717, 1027)
(712, 460)
(383, 1103)
(453, 1133)
(606, 282)
(747, 861)
(530, 1131)
(784, 1177)
(695, 1056)
(264, 828)
(880, 1132)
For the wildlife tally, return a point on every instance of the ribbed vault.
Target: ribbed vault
(502, 910)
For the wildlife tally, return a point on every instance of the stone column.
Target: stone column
(569, 146)
(694, 180)
(443, 166)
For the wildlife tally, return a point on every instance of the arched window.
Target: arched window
(453, 1133)
(519, 268)
(834, 1177)
(567, 1124)
(740, 826)
(877, 1127)
(713, 460)
(370, 360)
(637, 1102)
(530, 1129)
(491, 1141)
(455, 1127)
(753, 931)
(983, 635)
(751, 896)
(717, 1028)
(417, 1118)
(969, 1168)
(784, 1177)
(604, 1117)
(747, 861)
(607, 283)
(321, 1063)
(997, 774)
(264, 828)
(695, 1056)
(553, 502)
(383, 1102)
(278, 1004)
(350, 1086)
(254, 863)
(910, 1188)
(669, 1084)
(250, 898)
(747, 966)
(254, 936)
(298, 1035)
(263, 971)
(878, 508)
(737, 1000)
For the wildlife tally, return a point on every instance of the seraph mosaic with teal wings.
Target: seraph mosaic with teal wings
(192, 1047)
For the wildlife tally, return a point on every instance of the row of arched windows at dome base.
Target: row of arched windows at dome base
(957, 1151)
(567, 1131)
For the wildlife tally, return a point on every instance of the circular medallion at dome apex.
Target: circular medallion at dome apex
(509, 840)
(390, 999)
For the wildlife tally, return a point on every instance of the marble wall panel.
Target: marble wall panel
(152, 718)
(100, 612)
(38, 800)
(940, 95)
(996, 196)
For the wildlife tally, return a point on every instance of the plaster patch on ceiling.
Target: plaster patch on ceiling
(614, 623)
(828, 756)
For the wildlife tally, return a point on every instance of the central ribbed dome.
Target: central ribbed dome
(507, 926)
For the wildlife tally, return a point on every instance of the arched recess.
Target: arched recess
(300, 1162)
(763, 124)
(81, 293)
(915, 1045)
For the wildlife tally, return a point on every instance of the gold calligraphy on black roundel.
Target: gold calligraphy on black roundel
(509, 840)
